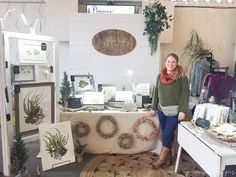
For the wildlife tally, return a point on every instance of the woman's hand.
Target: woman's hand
(181, 116)
(152, 113)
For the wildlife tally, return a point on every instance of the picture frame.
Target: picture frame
(23, 73)
(109, 91)
(34, 105)
(44, 73)
(82, 83)
(56, 145)
(31, 52)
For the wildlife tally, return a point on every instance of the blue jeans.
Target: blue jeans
(168, 125)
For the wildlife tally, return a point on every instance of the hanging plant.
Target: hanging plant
(156, 20)
(195, 46)
(194, 49)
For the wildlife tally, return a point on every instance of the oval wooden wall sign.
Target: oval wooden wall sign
(114, 42)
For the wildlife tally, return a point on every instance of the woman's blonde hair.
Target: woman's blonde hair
(179, 70)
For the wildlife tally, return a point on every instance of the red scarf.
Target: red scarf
(167, 78)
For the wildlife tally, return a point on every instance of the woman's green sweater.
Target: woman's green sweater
(176, 93)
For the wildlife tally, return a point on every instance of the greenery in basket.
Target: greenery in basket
(32, 108)
(55, 144)
(156, 20)
(18, 156)
(65, 91)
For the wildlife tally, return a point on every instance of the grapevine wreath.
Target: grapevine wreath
(102, 120)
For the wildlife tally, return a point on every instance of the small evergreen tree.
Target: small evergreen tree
(65, 90)
(18, 155)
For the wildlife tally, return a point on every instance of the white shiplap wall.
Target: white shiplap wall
(106, 69)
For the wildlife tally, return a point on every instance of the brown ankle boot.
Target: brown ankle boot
(163, 158)
(168, 159)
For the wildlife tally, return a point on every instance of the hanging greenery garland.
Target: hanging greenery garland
(126, 141)
(81, 129)
(153, 129)
(156, 20)
(102, 120)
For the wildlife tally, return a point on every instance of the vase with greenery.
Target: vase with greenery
(156, 21)
(65, 90)
(18, 156)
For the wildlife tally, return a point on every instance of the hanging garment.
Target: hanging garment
(200, 69)
(219, 85)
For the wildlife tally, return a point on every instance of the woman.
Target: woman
(170, 104)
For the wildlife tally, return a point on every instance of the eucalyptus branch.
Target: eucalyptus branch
(156, 21)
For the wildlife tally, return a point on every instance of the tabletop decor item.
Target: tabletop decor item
(65, 90)
(82, 83)
(156, 20)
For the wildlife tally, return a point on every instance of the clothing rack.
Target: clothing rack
(221, 69)
(211, 61)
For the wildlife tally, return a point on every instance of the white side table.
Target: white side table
(215, 158)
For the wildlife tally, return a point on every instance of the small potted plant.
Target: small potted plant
(18, 157)
(65, 91)
(79, 151)
(156, 21)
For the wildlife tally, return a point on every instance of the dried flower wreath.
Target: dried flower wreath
(101, 121)
(153, 130)
(126, 141)
(81, 129)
